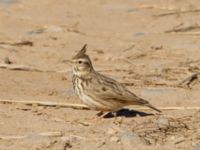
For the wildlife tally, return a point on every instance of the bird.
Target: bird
(99, 92)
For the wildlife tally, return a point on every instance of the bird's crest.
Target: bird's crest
(81, 53)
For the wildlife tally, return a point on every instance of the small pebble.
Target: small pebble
(114, 139)
(7, 60)
(130, 139)
(111, 131)
(100, 144)
(162, 122)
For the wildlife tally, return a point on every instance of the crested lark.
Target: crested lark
(98, 91)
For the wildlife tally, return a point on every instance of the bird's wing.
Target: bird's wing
(109, 89)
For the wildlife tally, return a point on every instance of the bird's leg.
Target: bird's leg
(100, 114)
(115, 116)
(103, 114)
(99, 117)
(117, 119)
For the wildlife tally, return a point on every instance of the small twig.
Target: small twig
(43, 134)
(51, 134)
(177, 12)
(21, 43)
(50, 104)
(187, 33)
(81, 106)
(29, 68)
(183, 29)
(20, 68)
(75, 31)
(176, 108)
(180, 141)
(129, 48)
(157, 7)
(189, 80)
(12, 137)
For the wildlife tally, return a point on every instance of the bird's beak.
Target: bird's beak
(68, 61)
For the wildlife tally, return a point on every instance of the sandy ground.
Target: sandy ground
(150, 46)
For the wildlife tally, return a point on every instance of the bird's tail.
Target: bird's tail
(154, 108)
(146, 103)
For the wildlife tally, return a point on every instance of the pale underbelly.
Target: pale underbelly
(102, 105)
(96, 103)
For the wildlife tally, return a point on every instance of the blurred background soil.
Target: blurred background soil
(151, 46)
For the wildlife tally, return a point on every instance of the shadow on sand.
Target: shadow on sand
(126, 113)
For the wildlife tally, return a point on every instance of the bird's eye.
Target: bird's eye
(80, 62)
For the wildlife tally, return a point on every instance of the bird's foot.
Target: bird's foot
(100, 114)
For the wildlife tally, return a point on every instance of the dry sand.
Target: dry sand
(150, 46)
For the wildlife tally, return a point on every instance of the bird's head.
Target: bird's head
(81, 63)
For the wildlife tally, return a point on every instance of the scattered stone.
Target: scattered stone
(162, 122)
(53, 93)
(111, 131)
(130, 139)
(7, 60)
(114, 139)
(100, 144)
(197, 147)
(139, 34)
(67, 145)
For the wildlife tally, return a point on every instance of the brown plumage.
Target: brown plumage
(98, 91)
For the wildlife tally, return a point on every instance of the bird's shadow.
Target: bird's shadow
(126, 113)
